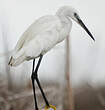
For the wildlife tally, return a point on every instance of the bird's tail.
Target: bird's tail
(17, 61)
(17, 57)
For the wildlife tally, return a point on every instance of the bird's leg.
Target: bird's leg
(38, 82)
(33, 85)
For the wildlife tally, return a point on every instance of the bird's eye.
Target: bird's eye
(75, 14)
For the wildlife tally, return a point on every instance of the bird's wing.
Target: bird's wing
(21, 41)
(31, 45)
(26, 37)
(39, 45)
(42, 43)
(39, 26)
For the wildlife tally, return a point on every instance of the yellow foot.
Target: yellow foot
(51, 107)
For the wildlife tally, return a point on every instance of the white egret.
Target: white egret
(43, 35)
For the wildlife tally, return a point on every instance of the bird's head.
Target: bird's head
(72, 13)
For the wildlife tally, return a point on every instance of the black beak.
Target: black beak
(83, 25)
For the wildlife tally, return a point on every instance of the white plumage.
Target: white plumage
(44, 34)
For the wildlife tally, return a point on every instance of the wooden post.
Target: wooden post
(69, 96)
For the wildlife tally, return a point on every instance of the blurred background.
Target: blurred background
(78, 57)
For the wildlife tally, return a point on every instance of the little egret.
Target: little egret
(43, 35)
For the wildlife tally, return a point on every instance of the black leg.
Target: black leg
(33, 65)
(33, 85)
(38, 82)
(45, 99)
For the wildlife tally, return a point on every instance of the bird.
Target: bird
(41, 36)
